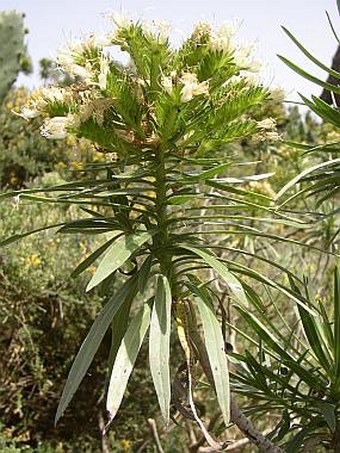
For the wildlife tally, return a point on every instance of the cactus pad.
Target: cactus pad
(12, 48)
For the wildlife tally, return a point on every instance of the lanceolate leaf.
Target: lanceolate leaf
(207, 174)
(96, 254)
(119, 252)
(309, 77)
(233, 283)
(159, 345)
(331, 71)
(305, 173)
(118, 328)
(217, 357)
(280, 349)
(324, 110)
(328, 411)
(91, 344)
(337, 327)
(313, 330)
(315, 340)
(126, 358)
(19, 236)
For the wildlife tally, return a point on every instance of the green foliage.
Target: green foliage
(295, 371)
(323, 178)
(36, 296)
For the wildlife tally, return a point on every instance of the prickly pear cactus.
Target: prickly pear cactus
(12, 48)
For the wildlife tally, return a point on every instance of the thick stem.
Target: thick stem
(161, 238)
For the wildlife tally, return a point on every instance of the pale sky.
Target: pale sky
(52, 22)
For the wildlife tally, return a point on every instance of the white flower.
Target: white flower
(273, 136)
(93, 40)
(54, 94)
(201, 29)
(243, 56)
(104, 70)
(28, 113)
(162, 29)
(16, 200)
(277, 94)
(68, 59)
(119, 19)
(191, 87)
(167, 84)
(69, 52)
(55, 128)
(222, 39)
(268, 124)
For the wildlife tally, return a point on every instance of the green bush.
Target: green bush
(26, 155)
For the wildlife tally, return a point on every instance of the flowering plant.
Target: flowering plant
(167, 124)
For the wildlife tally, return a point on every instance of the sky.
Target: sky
(51, 23)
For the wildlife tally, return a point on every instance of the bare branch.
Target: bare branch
(154, 432)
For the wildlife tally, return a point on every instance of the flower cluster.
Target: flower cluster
(191, 87)
(222, 40)
(194, 96)
(188, 84)
(267, 130)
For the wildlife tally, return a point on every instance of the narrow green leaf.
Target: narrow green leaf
(207, 174)
(214, 343)
(337, 326)
(311, 329)
(294, 444)
(181, 199)
(327, 326)
(308, 76)
(284, 426)
(222, 270)
(281, 351)
(331, 71)
(322, 109)
(19, 236)
(117, 254)
(304, 173)
(91, 344)
(95, 255)
(118, 328)
(88, 225)
(242, 179)
(328, 411)
(159, 345)
(250, 272)
(143, 274)
(126, 358)
(265, 334)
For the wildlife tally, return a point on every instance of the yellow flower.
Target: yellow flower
(33, 260)
(91, 269)
(125, 444)
(77, 165)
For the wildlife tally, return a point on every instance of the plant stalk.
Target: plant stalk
(161, 246)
